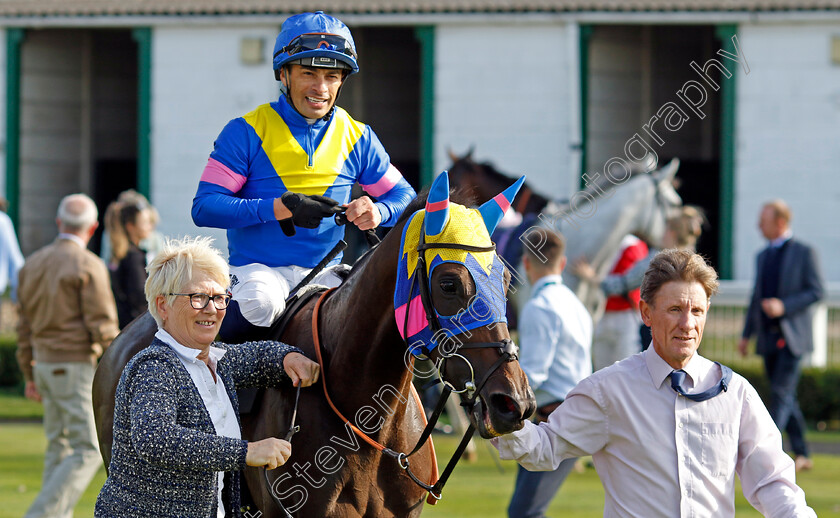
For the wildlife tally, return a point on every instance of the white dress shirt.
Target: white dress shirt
(555, 336)
(660, 455)
(213, 394)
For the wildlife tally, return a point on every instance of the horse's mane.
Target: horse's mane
(491, 170)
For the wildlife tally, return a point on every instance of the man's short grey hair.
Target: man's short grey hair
(175, 266)
(77, 212)
(675, 265)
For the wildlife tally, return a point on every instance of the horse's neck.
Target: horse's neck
(360, 332)
(598, 239)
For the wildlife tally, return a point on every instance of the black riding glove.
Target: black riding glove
(307, 211)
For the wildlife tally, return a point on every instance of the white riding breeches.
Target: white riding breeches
(616, 337)
(261, 291)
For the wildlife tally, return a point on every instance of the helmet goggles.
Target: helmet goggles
(310, 42)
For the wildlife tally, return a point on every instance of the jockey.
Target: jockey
(277, 175)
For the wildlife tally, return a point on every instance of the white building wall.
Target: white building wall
(788, 130)
(505, 89)
(198, 84)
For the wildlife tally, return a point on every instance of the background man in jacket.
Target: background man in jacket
(787, 284)
(67, 317)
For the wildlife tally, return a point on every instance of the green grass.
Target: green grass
(21, 465)
(480, 490)
(476, 489)
(16, 407)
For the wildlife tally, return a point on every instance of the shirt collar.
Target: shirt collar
(779, 241)
(72, 237)
(697, 368)
(545, 281)
(188, 354)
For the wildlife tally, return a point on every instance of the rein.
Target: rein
(401, 458)
(507, 352)
(293, 429)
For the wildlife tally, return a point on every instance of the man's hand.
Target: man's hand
(270, 453)
(305, 211)
(743, 346)
(301, 369)
(31, 392)
(584, 270)
(773, 308)
(363, 213)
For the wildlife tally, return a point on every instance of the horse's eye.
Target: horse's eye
(448, 286)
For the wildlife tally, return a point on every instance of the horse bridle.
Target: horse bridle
(507, 352)
(507, 349)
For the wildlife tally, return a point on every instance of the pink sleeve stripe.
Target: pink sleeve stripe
(218, 173)
(502, 202)
(416, 317)
(384, 184)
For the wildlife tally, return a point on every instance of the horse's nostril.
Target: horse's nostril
(505, 404)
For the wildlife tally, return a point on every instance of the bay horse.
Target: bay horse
(483, 180)
(639, 205)
(332, 472)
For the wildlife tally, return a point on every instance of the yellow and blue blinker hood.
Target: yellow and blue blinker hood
(450, 224)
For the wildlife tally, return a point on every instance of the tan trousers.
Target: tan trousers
(72, 458)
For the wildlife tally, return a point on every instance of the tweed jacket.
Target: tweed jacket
(166, 452)
(800, 286)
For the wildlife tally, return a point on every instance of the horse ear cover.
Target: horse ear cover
(437, 205)
(494, 210)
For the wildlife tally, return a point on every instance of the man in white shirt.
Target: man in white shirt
(668, 429)
(555, 336)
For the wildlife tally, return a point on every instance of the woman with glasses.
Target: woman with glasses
(295, 160)
(177, 447)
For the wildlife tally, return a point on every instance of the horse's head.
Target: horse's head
(450, 306)
(484, 181)
(666, 203)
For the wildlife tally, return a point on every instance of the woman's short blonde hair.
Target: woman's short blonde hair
(176, 265)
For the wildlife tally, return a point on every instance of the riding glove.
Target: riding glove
(307, 211)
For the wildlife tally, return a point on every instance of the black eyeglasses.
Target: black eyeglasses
(306, 42)
(200, 300)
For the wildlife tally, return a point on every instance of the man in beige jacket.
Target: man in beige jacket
(67, 317)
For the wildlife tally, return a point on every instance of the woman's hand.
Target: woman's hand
(270, 453)
(301, 369)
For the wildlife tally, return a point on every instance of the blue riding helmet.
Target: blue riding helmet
(315, 39)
